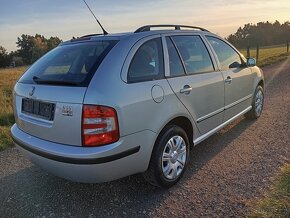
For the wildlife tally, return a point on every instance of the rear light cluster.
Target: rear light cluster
(99, 125)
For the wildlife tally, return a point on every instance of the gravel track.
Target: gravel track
(227, 173)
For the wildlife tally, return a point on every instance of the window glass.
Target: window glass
(175, 65)
(194, 54)
(73, 63)
(227, 56)
(147, 63)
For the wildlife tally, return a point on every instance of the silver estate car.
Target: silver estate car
(102, 107)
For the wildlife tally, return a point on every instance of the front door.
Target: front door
(238, 78)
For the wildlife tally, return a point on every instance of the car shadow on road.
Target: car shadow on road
(32, 192)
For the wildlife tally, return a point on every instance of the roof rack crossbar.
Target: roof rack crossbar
(176, 27)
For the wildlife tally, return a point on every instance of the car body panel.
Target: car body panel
(62, 129)
(238, 93)
(88, 172)
(207, 87)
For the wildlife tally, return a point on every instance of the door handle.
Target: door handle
(228, 79)
(186, 90)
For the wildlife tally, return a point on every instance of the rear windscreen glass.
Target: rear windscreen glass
(72, 64)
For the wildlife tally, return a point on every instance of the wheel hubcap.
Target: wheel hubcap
(259, 102)
(174, 157)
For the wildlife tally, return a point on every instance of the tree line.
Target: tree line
(262, 34)
(30, 48)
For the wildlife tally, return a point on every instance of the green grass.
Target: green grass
(277, 202)
(268, 55)
(8, 78)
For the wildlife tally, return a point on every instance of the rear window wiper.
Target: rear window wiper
(53, 82)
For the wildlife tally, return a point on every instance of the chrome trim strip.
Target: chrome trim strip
(239, 101)
(208, 134)
(223, 109)
(210, 115)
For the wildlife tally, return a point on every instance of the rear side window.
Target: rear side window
(147, 63)
(175, 64)
(227, 56)
(194, 54)
(72, 64)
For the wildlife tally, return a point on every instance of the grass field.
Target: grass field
(8, 77)
(277, 202)
(268, 55)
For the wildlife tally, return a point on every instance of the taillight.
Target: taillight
(99, 125)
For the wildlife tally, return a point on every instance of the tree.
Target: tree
(262, 33)
(39, 47)
(25, 45)
(53, 42)
(33, 47)
(4, 57)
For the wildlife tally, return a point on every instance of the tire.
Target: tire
(257, 104)
(169, 157)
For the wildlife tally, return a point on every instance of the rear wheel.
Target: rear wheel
(169, 157)
(257, 104)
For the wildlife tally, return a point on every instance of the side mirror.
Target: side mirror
(251, 62)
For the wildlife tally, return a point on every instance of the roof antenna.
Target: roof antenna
(104, 31)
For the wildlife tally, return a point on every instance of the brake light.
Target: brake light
(99, 125)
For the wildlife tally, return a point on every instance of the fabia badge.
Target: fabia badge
(67, 110)
(32, 91)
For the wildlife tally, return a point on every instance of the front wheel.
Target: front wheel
(257, 104)
(169, 157)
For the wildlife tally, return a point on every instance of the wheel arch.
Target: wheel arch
(183, 122)
(259, 78)
(261, 83)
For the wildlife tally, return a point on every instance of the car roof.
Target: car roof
(120, 36)
(140, 33)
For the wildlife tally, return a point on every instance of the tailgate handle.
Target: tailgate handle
(186, 90)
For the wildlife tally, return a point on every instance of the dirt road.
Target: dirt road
(227, 173)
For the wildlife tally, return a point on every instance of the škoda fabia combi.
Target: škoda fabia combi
(102, 107)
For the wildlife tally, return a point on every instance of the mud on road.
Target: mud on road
(226, 174)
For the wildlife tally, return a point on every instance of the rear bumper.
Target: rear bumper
(130, 155)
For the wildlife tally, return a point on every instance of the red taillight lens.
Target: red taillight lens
(99, 125)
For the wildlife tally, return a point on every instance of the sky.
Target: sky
(67, 18)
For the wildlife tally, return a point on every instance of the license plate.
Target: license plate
(38, 108)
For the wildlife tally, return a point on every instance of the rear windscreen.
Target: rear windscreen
(71, 64)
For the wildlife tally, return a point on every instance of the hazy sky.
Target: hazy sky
(67, 18)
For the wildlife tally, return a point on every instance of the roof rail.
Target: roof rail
(90, 35)
(176, 27)
(85, 37)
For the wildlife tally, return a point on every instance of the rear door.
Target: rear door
(193, 78)
(238, 77)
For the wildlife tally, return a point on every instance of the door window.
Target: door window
(175, 64)
(147, 63)
(194, 54)
(227, 56)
